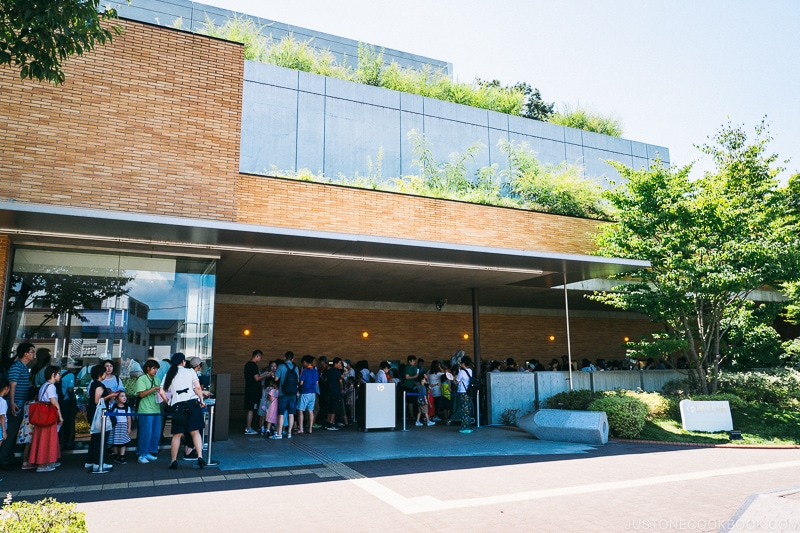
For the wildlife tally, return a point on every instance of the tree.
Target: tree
(710, 242)
(533, 106)
(36, 36)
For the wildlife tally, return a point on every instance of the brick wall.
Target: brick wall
(396, 334)
(315, 206)
(147, 124)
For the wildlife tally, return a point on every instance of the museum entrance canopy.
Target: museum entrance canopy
(293, 263)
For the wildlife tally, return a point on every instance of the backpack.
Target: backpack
(472, 387)
(290, 380)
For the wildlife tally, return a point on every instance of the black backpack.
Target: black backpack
(290, 380)
(472, 387)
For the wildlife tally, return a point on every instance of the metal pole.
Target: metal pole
(478, 408)
(569, 342)
(476, 334)
(404, 410)
(210, 436)
(102, 443)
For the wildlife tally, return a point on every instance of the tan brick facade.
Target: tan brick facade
(396, 334)
(281, 202)
(149, 124)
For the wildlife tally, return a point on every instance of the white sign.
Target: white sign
(706, 416)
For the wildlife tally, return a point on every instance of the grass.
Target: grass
(759, 423)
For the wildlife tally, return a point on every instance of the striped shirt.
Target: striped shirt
(20, 374)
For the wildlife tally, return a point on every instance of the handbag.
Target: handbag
(97, 419)
(42, 414)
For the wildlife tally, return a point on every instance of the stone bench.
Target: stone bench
(589, 427)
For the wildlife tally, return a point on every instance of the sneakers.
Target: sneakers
(289, 435)
(190, 456)
(419, 424)
(143, 459)
(276, 436)
(431, 423)
(331, 428)
(28, 466)
(120, 459)
(250, 431)
(436, 419)
(339, 425)
(465, 431)
(46, 468)
(151, 457)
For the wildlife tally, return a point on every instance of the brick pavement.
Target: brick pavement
(436, 478)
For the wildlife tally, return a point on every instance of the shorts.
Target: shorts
(195, 421)
(288, 403)
(307, 402)
(251, 399)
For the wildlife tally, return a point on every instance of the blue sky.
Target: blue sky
(673, 72)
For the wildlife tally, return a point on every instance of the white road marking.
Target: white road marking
(424, 504)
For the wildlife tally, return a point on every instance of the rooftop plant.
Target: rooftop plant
(527, 183)
(371, 69)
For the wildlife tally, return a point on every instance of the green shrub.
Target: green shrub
(626, 414)
(574, 400)
(734, 401)
(776, 387)
(45, 516)
(657, 405)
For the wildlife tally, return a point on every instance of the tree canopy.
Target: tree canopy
(37, 36)
(710, 242)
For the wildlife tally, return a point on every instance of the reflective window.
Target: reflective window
(86, 306)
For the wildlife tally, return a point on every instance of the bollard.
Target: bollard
(210, 436)
(102, 443)
(404, 411)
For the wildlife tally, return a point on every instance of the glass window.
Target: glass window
(87, 306)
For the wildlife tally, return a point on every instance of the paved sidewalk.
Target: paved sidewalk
(438, 479)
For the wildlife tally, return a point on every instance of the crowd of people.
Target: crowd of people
(162, 387)
(282, 398)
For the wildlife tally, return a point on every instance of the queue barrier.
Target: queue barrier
(209, 419)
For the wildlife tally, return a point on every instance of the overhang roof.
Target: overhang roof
(296, 263)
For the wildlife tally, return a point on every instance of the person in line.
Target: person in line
(309, 381)
(409, 376)
(19, 385)
(335, 388)
(252, 390)
(422, 400)
(189, 452)
(4, 388)
(435, 384)
(45, 450)
(186, 402)
(146, 387)
(463, 379)
(69, 406)
(383, 375)
(97, 391)
(121, 428)
(110, 378)
(288, 379)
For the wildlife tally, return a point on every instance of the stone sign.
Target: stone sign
(706, 416)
